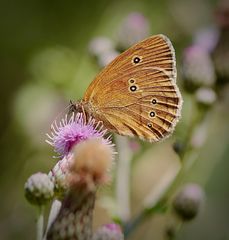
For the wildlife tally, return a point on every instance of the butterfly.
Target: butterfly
(136, 94)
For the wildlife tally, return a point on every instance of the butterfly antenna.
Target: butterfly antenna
(70, 107)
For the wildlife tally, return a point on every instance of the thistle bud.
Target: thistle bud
(39, 189)
(179, 147)
(58, 176)
(100, 45)
(205, 96)
(188, 201)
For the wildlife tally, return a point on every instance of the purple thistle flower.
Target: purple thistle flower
(207, 39)
(110, 231)
(113, 227)
(71, 131)
(198, 68)
(134, 28)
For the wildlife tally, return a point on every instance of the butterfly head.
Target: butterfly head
(78, 107)
(73, 107)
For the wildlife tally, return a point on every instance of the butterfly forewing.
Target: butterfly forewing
(136, 94)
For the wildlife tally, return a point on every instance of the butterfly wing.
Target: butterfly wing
(136, 94)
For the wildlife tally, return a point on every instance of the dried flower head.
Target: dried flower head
(91, 161)
(70, 131)
(39, 189)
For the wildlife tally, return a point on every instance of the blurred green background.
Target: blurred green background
(44, 63)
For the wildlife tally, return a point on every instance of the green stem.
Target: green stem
(128, 228)
(197, 117)
(131, 225)
(40, 223)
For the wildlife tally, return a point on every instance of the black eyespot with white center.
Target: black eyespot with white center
(154, 101)
(152, 114)
(133, 88)
(149, 125)
(136, 59)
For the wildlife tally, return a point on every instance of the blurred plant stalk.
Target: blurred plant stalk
(123, 171)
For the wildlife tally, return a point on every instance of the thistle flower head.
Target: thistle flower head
(91, 161)
(70, 131)
(80, 173)
(207, 38)
(198, 68)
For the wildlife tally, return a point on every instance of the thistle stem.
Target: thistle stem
(130, 226)
(40, 223)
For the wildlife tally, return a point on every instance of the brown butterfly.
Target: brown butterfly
(136, 94)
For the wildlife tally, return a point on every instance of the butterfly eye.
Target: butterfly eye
(152, 114)
(133, 88)
(136, 60)
(154, 101)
